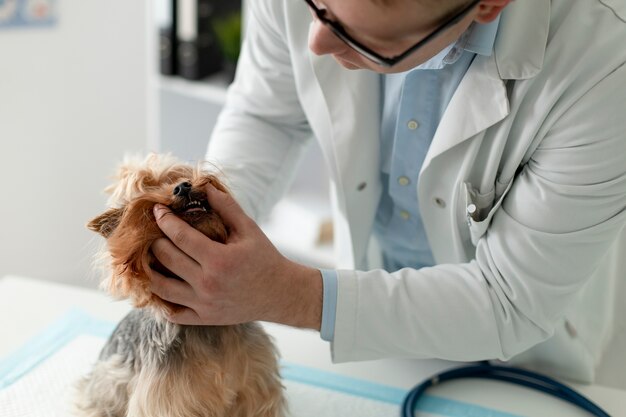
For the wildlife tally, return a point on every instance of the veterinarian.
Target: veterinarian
(478, 181)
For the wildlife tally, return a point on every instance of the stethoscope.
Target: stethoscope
(501, 373)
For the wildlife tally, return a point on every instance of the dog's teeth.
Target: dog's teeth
(195, 204)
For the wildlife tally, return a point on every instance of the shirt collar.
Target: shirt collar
(482, 37)
(478, 38)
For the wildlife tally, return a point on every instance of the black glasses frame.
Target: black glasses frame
(378, 59)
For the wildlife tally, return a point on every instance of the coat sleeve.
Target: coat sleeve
(262, 130)
(556, 224)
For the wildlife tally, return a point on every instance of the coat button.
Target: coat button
(361, 186)
(440, 202)
(405, 215)
(412, 125)
(570, 329)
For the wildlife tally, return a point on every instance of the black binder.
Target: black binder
(199, 54)
(166, 11)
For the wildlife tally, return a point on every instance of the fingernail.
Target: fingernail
(159, 208)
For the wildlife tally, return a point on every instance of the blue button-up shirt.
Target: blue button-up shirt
(413, 105)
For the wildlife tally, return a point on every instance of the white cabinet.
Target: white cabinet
(182, 115)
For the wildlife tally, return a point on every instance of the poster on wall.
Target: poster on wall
(27, 13)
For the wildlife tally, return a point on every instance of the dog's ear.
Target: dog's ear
(106, 223)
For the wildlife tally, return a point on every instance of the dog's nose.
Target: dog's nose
(182, 189)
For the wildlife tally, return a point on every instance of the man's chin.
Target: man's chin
(362, 66)
(346, 64)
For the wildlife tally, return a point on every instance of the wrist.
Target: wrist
(301, 297)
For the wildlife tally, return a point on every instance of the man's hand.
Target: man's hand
(243, 280)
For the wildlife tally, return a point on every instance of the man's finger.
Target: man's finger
(226, 206)
(175, 260)
(185, 237)
(185, 316)
(171, 289)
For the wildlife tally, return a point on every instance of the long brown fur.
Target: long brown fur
(153, 368)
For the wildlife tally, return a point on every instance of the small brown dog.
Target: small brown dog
(153, 368)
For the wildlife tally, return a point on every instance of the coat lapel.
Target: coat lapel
(481, 100)
(347, 125)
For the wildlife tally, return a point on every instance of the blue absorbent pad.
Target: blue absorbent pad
(38, 380)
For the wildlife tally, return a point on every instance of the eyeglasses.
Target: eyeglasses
(378, 59)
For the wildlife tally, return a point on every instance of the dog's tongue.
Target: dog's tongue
(194, 210)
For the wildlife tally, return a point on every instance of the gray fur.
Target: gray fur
(141, 341)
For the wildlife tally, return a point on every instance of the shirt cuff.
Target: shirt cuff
(329, 305)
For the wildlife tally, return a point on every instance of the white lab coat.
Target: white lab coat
(535, 137)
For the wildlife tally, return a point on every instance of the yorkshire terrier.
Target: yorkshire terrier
(150, 367)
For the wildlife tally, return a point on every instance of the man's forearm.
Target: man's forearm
(300, 299)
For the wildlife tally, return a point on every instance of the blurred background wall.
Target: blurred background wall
(72, 102)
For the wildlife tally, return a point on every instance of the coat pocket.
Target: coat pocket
(480, 207)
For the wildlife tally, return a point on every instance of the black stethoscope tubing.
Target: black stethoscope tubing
(516, 376)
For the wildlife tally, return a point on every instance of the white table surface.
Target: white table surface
(28, 306)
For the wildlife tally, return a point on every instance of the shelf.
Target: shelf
(211, 89)
(298, 227)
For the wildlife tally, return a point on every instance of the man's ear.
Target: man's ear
(488, 10)
(106, 223)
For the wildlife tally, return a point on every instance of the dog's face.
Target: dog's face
(130, 227)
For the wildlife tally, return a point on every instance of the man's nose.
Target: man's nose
(323, 41)
(182, 189)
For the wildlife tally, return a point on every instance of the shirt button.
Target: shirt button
(404, 180)
(439, 202)
(405, 214)
(412, 124)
